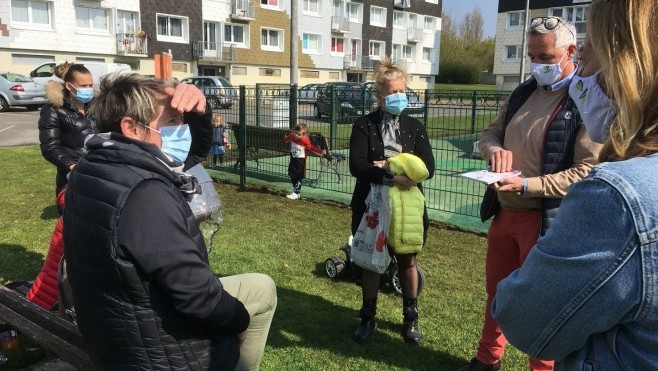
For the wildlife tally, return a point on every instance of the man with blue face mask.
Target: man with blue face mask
(145, 296)
(539, 131)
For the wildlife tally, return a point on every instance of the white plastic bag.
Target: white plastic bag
(369, 246)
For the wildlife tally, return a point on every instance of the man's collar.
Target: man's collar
(564, 83)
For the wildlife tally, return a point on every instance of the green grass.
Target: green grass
(289, 240)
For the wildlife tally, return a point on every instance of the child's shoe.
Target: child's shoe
(294, 196)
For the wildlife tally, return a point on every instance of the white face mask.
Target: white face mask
(547, 74)
(596, 109)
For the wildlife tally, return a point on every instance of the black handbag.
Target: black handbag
(490, 204)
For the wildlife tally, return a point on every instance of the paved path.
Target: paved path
(19, 127)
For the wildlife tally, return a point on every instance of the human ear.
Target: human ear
(129, 128)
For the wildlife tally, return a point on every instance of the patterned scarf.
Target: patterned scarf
(391, 135)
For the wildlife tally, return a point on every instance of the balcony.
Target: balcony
(243, 10)
(402, 4)
(358, 62)
(130, 44)
(213, 52)
(414, 35)
(340, 24)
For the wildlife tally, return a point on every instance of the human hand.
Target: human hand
(186, 98)
(501, 161)
(514, 184)
(228, 145)
(241, 338)
(403, 182)
(71, 167)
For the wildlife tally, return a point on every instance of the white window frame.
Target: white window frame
(280, 35)
(276, 6)
(399, 19)
(519, 52)
(508, 20)
(30, 24)
(359, 12)
(383, 16)
(306, 39)
(245, 35)
(429, 24)
(427, 55)
(382, 49)
(331, 47)
(412, 20)
(136, 25)
(91, 28)
(396, 52)
(308, 9)
(408, 52)
(565, 14)
(185, 29)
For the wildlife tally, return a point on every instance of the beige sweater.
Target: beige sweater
(525, 138)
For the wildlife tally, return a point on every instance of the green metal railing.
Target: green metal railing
(453, 120)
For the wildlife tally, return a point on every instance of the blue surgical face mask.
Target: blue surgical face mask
(176, 141)
(395, 103)
(83, 95)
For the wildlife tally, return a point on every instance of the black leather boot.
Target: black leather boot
(410, 331)
(364, 332)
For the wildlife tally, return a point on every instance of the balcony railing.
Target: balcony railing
(131, 44)
(358, 62)
(340, 24)
(213, 51)
(243, 9)
(414, 35)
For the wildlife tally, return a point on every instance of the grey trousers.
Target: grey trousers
(258, 294)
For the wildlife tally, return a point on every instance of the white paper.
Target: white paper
(489, 177)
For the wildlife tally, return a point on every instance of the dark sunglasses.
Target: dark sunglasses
(550, 23)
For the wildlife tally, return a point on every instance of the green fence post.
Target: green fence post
(258, 103)
(293, 106)
(473, 110)
(333, 115)
(242, 143)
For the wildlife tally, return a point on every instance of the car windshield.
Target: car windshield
(14, 77)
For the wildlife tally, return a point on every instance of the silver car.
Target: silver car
(218, 91)
(20, 91)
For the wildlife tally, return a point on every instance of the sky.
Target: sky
(489, 8)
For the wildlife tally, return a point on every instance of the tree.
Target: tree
(447, 24)
(471, 29)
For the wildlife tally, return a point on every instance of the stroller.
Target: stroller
(336, 268)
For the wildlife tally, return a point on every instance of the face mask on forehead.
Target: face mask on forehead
(596, 109)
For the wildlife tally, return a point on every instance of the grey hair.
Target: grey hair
(565, 33)
(386, 71)
(126, 95)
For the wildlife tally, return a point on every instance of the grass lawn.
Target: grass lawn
(289, 240)
(464, 87)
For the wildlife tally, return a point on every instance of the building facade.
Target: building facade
(510, 33)
(247, 41)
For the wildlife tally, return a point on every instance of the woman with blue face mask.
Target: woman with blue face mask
(382, 134)
(64, 124)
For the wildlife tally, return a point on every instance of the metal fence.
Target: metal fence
(261, 115)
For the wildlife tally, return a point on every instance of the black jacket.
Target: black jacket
(144, 294)
(62, 131)
(367, 146)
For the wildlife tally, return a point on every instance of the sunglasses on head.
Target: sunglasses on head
(550, 23)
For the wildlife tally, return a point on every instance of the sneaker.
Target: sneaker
(294, 196)
(476, 365)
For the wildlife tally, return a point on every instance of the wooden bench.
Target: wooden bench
(328, 161)
(45, 328)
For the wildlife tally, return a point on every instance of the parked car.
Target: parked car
(45, 71)
(20, 91)
(218, 90)
(350, 99)
(308, 93)
(416, 106)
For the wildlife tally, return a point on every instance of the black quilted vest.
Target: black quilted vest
(126, 323)
(558, 143)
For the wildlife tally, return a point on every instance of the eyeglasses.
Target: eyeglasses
(550, 23)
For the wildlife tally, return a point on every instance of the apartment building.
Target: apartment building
(247, 41)
(510, 33)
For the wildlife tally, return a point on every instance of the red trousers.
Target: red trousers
(511, 236)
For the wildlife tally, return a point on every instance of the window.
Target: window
(413, 20)
(399, 19)
(354, 12)
(311, 43)
(127, 22)
(269, 3)
(427, 54)
(271, 39)
(312, 6)
(172, 28)
(376, 49)
(91, 18)
(239, 70)
(513, 53)
(234, 34)
(407, 52)
(396, 54)
(31, 13)
(511, 80)
(337, 45)
(577, 15)
(515, 19)
(430, 24)
(378, 16)
(210, 36)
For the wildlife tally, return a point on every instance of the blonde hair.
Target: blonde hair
(301, 130)
(217, 121)
(627, 52)
(385, 72)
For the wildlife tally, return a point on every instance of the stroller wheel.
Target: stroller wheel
(334, 267)
(394, 280)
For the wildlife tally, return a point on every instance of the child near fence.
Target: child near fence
(299, 143)
(220, 141)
